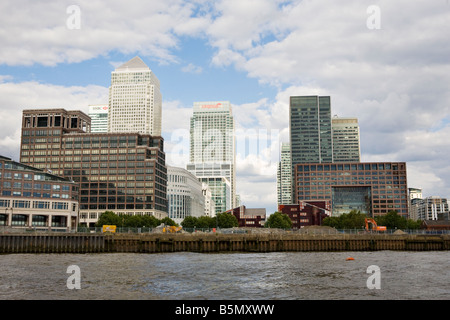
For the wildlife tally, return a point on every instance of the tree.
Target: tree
(278, 220)
(189, 222)
(352, 220)
(226, 220)
(108, 218)
(168, 222)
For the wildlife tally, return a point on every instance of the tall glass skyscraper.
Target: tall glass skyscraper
(135, 100)
(212, 151)
(310, 129)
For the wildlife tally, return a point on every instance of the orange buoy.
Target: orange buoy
(350, 258)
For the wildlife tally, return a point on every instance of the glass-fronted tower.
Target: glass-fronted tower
(212, 150)
(310, 129)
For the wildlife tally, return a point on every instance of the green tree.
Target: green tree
(333, 222)
(226, 220)
(189, 222)
(168, 222)
(108, 218)
(278, 220)
(352, 220)
(413, 224)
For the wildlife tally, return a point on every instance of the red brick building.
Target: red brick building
(306, 213)
(249, 217)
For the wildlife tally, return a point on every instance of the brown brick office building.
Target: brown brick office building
(374, 188)
(120, 172)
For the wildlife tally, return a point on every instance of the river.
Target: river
(232, 276)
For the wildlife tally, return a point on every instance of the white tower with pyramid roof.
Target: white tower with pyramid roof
(135, 99)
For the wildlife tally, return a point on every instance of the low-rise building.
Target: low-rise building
(35, 198)
(306, 213)
(249, 217)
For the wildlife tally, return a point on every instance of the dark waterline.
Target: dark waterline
(235, 276)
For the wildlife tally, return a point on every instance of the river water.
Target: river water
(235, 276)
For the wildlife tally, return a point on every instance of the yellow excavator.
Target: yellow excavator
(171, 229)
(375, 227)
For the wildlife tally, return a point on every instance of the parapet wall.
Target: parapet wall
(210, 243)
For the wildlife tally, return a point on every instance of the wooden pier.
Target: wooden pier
(211, 243)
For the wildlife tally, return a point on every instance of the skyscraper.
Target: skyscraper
(310, 129)
(135, 99)
(212, 150)
(284, 176)
(346, 146)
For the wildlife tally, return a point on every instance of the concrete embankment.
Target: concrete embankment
(214, 242)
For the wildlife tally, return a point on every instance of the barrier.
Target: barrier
(159, 243)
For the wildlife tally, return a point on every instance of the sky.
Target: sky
(384, 62)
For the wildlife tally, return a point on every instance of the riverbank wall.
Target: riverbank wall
(215, 243)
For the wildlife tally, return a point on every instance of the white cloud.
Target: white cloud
(191, 68)
(15, 97)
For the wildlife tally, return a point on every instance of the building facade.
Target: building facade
(210, 206)
(212, 150)
(135, 100)
(99, 118)
(184, 194)
(430, 208)
(306, 213)
(372, 188)
(34, 198)
(249, 217)
(284, 175)
(310, 129)
(120, 172)
(346, 140)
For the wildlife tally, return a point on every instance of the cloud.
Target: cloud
(15, 97)
(191, 68)
(37, 32)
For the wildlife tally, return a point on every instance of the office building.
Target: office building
(184, 194)
(371, 188)
(99, 118)
(284, 175)
(35, 198)
(430, 208)
(135, 100)
(310, 129)
(212, 151)
(346, 141)
(120, 172)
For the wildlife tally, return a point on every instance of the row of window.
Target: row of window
(27, 204)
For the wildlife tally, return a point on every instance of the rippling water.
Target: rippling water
(192, 276)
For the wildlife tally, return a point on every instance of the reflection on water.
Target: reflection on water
(268, 276)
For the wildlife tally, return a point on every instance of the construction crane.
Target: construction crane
(375, 227)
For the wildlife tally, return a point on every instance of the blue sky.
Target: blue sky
(255, 54)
